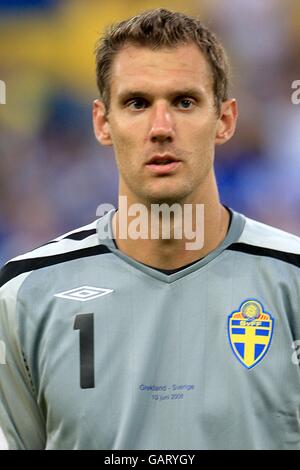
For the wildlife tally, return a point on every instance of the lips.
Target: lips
(163, 164)
(161, 160)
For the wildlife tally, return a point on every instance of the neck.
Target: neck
(172, 238)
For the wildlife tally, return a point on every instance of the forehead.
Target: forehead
(141, 67)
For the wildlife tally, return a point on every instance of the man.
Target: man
(114, 341)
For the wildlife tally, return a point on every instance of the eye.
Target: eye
(137, 103)
(185, 103)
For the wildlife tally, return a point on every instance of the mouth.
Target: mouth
(163, 164)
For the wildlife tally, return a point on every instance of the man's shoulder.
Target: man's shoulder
(264, 235)
(264, 240)
(77, 243)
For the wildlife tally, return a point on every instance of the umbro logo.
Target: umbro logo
(83, 293)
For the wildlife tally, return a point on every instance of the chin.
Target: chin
(167, 197)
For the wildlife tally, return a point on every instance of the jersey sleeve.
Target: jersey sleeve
(20, 417)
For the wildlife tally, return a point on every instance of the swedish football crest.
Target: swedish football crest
(250, 331)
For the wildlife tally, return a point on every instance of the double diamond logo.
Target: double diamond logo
(83, 293)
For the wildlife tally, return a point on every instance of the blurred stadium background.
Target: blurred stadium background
(53, 174)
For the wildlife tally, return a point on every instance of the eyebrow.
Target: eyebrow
(129, 94)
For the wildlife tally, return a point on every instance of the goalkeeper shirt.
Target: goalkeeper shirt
(99, 351)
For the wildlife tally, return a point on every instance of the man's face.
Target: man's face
(162, 122)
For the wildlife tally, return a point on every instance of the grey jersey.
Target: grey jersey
(102, 352)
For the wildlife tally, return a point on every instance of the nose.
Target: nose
(162, 125)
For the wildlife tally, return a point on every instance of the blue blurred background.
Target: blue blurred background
(53, 173)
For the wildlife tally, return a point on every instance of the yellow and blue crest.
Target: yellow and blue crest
(250, 331)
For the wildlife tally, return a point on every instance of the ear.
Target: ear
(101, 124)
(227, 121)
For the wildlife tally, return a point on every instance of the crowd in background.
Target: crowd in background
(53, 173)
